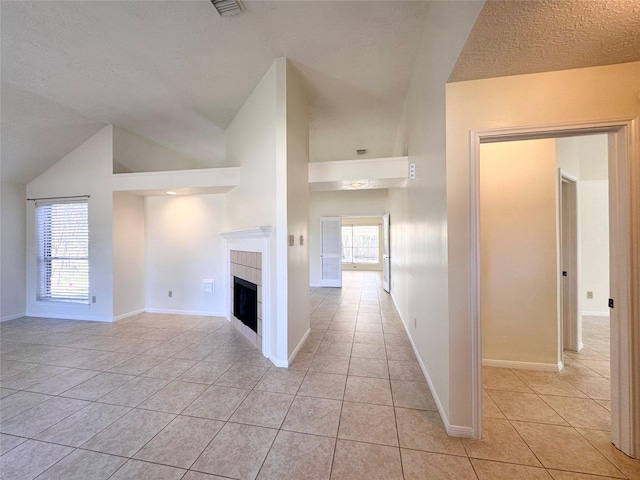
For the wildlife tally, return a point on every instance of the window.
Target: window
(63, 251)
(361, 244)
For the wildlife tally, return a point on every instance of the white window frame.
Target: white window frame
(57, 258)
(363, 264)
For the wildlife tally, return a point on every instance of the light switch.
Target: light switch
(412, 171)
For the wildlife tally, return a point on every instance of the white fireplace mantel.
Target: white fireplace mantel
(257, 232)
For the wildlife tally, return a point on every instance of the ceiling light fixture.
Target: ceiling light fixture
(356, 184)
(171, 192)
(226, 8)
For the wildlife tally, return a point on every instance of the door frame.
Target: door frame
(569, 321)
(386, 252)
(624, 221)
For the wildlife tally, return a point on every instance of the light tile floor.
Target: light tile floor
(178, 397)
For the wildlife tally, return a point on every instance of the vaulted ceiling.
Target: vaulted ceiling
(177, 73)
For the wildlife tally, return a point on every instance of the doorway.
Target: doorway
(624, 395)
(354, 242)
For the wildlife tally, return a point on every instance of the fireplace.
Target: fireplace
(249, 253)
(245, 305)
(245, 302)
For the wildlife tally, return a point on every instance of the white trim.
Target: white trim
(545, 367)
(6, 318)
(293, 355)
(594, 313)
(452, 430)
(128, 314)
(66, 316)
(186, 312)
(258, 232)
(459, 431)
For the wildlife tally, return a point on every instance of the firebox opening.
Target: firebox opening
(245, 302)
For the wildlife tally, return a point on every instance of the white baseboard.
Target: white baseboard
(292, 357)
(186, 312)
(594, 313)
(452, 430)
(128, 314)
(6, 318)
(458, 431)
(546, 367)
(65, 316)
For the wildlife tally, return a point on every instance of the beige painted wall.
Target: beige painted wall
(519, 252)
(553, 98)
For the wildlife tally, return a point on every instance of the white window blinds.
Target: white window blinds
(63, 251)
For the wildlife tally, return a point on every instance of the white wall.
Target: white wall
(85, 171)
(568, 155)
(128, 255)
(419, 264)
(519, 271)
(336, 204)
(12, 250)
(183, 248)
(134, 153)
(297, 205)
(553, 98)
(251, 143)
(593, 198)
(593, 203)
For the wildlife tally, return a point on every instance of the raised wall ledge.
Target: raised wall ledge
(196, 181)
(370, 173)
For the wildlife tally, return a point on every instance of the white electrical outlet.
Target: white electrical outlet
(207, 285)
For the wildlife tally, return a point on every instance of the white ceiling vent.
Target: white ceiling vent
(227, 8)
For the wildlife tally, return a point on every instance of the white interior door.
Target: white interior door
(570, 319)
(386, 273)
(331, 252)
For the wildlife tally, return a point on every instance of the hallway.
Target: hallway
(183, 397)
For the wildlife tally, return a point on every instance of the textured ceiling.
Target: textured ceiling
(177, 73)
(513, 37)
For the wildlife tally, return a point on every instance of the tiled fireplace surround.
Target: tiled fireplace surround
(248, 257)
(247, 266)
